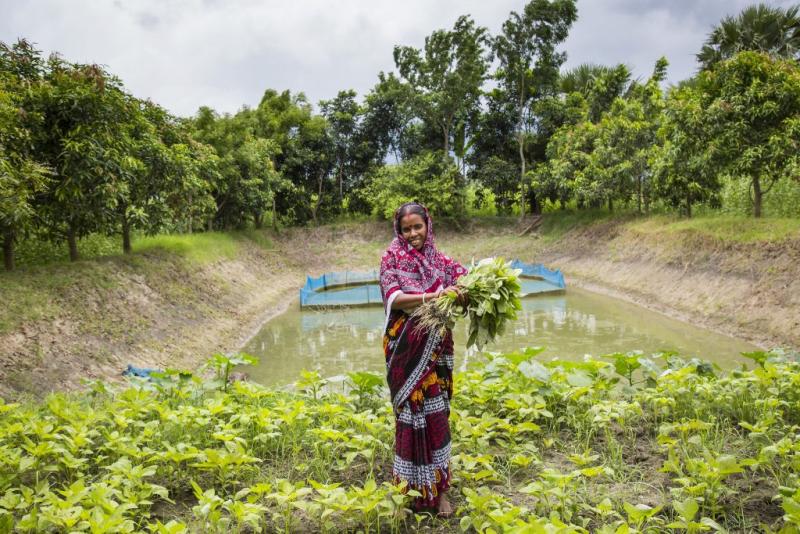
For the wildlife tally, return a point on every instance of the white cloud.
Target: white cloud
(188, 53)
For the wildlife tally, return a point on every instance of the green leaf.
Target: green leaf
(687, 508)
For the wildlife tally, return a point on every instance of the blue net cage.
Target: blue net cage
(350, 288)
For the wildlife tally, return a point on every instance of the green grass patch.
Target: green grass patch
(198, 248)
(35, 252)
(726, 228)
(555, 224)
(259, 237)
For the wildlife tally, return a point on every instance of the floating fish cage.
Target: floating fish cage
(348, 288)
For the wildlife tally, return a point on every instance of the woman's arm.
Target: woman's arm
(409, 301)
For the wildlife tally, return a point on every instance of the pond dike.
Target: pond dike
(746, 290)
(160, 310)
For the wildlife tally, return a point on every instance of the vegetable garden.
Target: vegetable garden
(618, 444)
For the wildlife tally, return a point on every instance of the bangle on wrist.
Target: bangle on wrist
(423, 297)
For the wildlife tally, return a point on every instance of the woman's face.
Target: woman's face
(414, 230)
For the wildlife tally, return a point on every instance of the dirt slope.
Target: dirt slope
(157, 309)
(749, 290)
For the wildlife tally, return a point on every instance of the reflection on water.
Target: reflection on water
(570, 325)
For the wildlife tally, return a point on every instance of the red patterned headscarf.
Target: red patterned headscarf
(408, 270)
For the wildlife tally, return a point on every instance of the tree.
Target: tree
(447, 74)
(571, 168)
(683, 175)
(189, 194)
(493, 153)
(309, 161)
(529, 62)
(342, 114)
(144, 165)
(263, 181)
(750, 107)
(761, 28)
(243, 184)
(22, 178)
(389, 111)
(500, 177)
(600, 85)
(428, 178)
(81, 108)
(627, 138)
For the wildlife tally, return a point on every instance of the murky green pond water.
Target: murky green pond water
(569, 325)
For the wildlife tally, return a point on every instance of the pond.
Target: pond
(570, 325)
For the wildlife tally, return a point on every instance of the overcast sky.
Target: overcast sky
(224, 53)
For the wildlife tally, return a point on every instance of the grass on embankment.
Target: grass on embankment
(725, 228)
(202, 248)
(44, 292)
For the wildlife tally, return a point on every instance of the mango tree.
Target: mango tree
(80, 139)
(142, 200)
(262, 180)
(749, 120)
(683, 175)
(22, 178)
(627, 140)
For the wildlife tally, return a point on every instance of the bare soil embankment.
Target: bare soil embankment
(158, 309)
(750, 290)
(153, 310)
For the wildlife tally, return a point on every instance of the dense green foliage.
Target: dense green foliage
(79, 155)
(539, 447)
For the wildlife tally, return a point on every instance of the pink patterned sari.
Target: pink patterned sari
(419, 369)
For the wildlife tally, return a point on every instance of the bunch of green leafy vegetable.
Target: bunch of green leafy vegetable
(489, 296)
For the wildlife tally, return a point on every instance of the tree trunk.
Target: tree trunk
(757, 196)
(72, 242)
(610, 204)
(341, 181)
(8, 250)
(190, 213)
(274, 215)
(639, 196)
(126, 236)
(688, 205)
(317, 204)
(258, 220)
(521, 144)
(536, 206)
(523, 192)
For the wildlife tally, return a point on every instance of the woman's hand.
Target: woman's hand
(461, 295)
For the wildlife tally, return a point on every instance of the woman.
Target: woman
(419, 364)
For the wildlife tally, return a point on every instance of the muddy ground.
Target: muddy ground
(160, 310)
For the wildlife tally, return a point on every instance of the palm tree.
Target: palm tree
(760, 27)
(599, 84)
